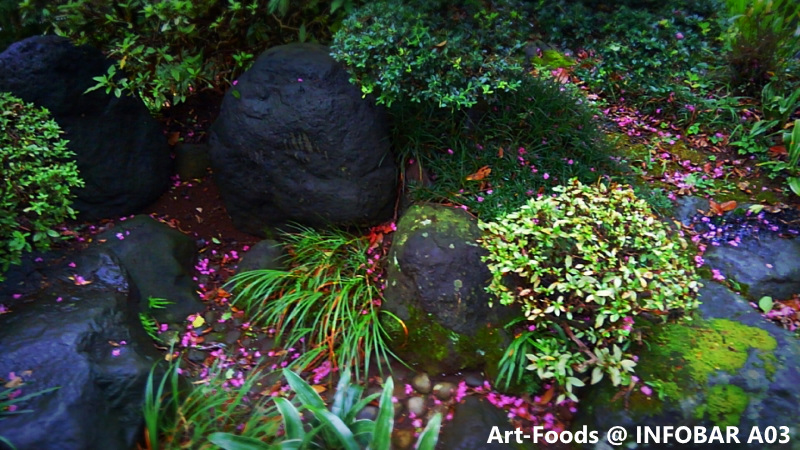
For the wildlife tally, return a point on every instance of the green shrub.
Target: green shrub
(13, 27)
(328, 302)
(636, 52)
(763, 36)
(533, 139)
(583, 264)
(433, 51)
(169, 49)
(38, 176)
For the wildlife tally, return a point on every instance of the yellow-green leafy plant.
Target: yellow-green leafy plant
(583, 264)
(39, 174)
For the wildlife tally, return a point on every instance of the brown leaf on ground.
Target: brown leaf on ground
(482, 173)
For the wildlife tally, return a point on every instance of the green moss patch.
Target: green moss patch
(683, 356)
(421, 341)
(724, 405)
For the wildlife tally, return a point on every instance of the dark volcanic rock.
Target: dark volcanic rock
(295, 142)
(160, 262)
(120, 150)
(91, 346)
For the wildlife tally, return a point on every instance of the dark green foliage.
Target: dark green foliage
(13, 27)
(434, 51)
(635, 51)
(38, 176)
(168, 50)
(536, 138)
(763, 36)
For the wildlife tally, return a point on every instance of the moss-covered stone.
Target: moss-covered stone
(436, 287)
(425, 344)
(724, 405)
(680, 360)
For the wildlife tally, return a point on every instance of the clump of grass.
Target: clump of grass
(181, 415)
(326, 306)
(493, 161)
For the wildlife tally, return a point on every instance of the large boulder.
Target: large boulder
(473, 423)
(296, 142)
(768, 265)
(160, 261)
(82, 336)
(120, 150)
(729, 367)
(436, 284)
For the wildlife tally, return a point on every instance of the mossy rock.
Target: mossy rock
(436, 286)
(727, 367)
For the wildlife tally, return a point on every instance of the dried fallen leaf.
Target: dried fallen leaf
(777, 150)
(14, 383)
(500, 152)
(547, 396)
(173, 137)
(721, 208)
(319, 388)
(482, 173)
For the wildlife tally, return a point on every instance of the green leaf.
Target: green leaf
(335, 425)
(236, 94)
(382, 437)
(430, 435)
(292, 424)
(765, 304)
(597, 374)
(305, 393)
(794, 184)
(230, 441)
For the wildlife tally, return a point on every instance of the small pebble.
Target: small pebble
(443, 391)
(416, 405)
(422, 383)
(403, 439)
(473, 380)
(369, 413)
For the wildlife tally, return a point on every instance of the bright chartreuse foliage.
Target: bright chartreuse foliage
(39, 175)
(583, 264)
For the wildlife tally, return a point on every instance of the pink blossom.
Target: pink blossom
(646, 390)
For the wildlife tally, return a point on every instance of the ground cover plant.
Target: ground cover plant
(336, 428)
(39, 178)
(493, 161)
